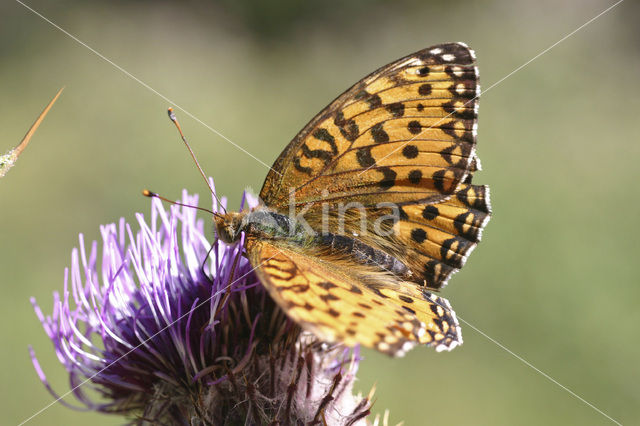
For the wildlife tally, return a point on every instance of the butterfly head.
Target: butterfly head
(229, 226)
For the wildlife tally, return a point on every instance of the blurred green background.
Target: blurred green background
(555, 280)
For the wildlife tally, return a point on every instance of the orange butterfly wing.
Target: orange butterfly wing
(437, 239)
(329, 297)
(406, 132)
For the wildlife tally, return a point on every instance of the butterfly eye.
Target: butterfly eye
(422, 71)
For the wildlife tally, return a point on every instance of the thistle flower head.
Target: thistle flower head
(166, 327)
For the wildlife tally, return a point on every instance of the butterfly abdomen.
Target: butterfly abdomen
(363, 253)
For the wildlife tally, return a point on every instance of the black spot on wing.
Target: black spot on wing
(424, 71)
(296, 288)
(301, 168)
(325, 136)
(374, 101)
(449, 129)
(424, 89)
(361, 95)
(396, 109)
(460, 73)
(466, 112)
(410, 151)
(378, 134)
(414, 127)
(436, 273)
(403, 214)
(468, 225)
(408, 309)
(415, 176)
(389, 179)
(430, 212)
(329, 298)
(321, 154)
(355, 289)
(466, 89)
(348, 128)
(327, 285)
(434, 309)
(364, 157)
(438, 180)
(452, 251)
(418, 235)
(333, 313)
(475, 197)
(379, 293)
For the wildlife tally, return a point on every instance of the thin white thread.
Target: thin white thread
(545, 375)
(524, 361)
(145, 85)
(497, 82)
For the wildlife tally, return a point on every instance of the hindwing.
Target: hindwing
(438, 238)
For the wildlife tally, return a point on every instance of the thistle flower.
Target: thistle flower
(168, 328)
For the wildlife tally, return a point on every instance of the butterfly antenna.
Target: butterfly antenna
(150, 194)
(173, 118)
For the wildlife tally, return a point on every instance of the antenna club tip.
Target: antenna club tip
(171, 113)
(148, 193)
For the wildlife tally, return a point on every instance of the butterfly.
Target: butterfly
(371, 207)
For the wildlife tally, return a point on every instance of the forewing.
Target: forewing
(329, 299)
(406, 133)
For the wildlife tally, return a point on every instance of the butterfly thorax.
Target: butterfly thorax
(262, 223)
